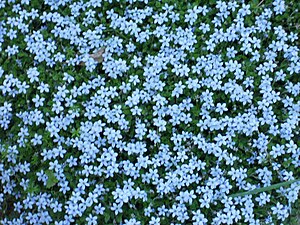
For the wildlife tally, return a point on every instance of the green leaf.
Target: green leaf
(119, 218)
(32, 187)
(106, 217)
(35, 160)
(52, 180)
(264, 189)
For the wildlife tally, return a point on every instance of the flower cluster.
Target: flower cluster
(139, 112)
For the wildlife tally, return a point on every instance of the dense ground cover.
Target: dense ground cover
(149, 112)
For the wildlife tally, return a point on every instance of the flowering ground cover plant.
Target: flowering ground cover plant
(141, 112)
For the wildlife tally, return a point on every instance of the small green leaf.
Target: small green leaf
(119, 218)
(106, 217)
(32, 187)
(52, 180)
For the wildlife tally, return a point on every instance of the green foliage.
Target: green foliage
(52, 180)
(264, 189)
